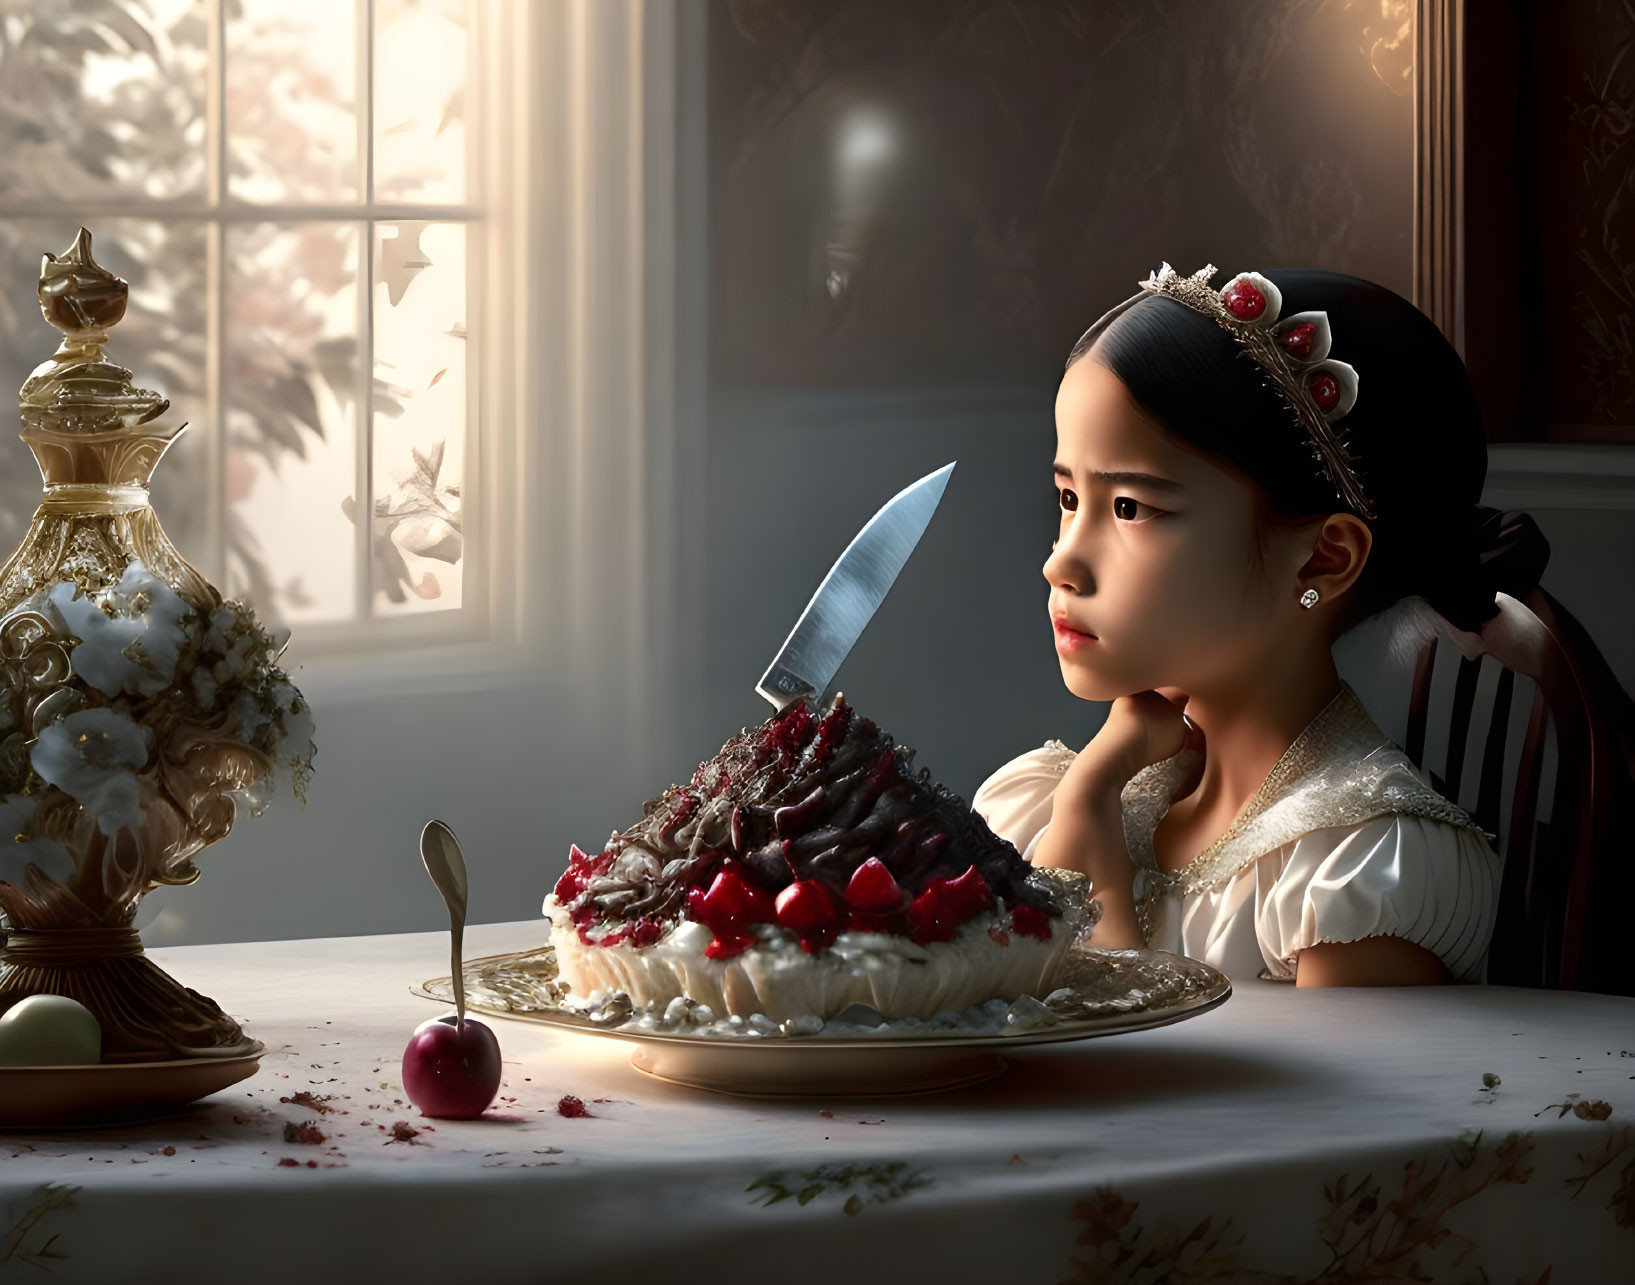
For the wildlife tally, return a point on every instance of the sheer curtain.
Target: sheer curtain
(555, 721)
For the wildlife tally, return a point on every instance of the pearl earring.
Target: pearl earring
(1308, 599)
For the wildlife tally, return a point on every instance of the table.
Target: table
(1291, 1135)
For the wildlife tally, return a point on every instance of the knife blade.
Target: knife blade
(850, 594)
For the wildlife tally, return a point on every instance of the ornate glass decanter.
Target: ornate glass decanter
(138, 710)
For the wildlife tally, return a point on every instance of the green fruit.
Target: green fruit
(49, 1030)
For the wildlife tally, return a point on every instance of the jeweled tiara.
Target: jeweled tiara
(1293, 355)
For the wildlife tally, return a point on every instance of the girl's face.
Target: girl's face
(1152, 577)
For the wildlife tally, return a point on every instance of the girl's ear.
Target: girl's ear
(1339, 549)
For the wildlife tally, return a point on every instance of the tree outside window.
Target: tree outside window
(284, 184)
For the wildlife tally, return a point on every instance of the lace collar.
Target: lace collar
(1340, 771)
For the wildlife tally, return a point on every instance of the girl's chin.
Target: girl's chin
(1093, 687)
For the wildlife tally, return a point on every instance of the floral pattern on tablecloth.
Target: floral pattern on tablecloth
(1374, 1228)
(877, 1183)
(30, 1239)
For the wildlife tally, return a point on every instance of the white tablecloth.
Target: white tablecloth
(1288, 1136)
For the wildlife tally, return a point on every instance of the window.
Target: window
(286, 186)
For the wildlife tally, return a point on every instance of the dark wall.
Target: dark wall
(919, 192)
(1550, 218)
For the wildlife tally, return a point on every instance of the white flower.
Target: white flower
(89, 756)
(204, 688)
(298, 730)
(251, 717)
(222, 621)
(295, 763)
(18, 851)
(284, 695)
(133, 649)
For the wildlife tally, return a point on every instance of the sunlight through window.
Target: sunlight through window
(284, 184)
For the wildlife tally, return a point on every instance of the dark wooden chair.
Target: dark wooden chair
(1567, 893)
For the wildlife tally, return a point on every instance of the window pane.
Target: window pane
(420, 83)
(291, 373)
(161, 341)
(420, 415)
(102, 99)
(292, 132)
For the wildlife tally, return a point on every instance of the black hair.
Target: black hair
(1415, 434)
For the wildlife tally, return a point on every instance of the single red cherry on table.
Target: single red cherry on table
(451, 1070)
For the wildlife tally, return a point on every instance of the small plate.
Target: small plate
(108, 1093)
(516, 986)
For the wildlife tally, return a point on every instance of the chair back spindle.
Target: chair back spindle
(1568, 880)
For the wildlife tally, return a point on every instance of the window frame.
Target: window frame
(586, 441)
(217, 211)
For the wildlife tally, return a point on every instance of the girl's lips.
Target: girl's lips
(1070, 639)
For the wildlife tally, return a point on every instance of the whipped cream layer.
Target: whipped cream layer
(891, 974)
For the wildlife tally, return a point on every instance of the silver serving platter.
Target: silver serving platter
(1112, 992)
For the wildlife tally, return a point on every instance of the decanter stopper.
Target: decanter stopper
(83, 418)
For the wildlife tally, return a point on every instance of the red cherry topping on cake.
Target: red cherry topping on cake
(806, 906)
(937, 913)
(1031, 922)
(730, 907)
(731, 901)
(726, 945)
(1243, 301)
(582, 867)
(1298, 339)
(930, 918)
(873, 890)
(569, 886)
(1325, 389)
(806, 909)
(968, 894)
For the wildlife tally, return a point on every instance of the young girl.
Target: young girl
(1244, 474)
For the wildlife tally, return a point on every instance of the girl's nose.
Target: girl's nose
(1067, 571)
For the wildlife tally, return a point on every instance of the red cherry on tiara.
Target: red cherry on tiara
(1298, 339)
(1326, 390)
(1243, 301)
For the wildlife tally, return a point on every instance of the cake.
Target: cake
(806, 869)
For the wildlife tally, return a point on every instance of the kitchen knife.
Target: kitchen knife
(850, 593)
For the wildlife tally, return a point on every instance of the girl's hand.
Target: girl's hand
(1086, 825)
(1140, 730)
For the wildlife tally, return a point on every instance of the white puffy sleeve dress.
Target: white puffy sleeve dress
(1344, 840)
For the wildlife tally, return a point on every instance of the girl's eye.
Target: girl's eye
(1069, 500)
(1129, 510)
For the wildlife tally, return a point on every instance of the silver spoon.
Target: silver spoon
(440, 850)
